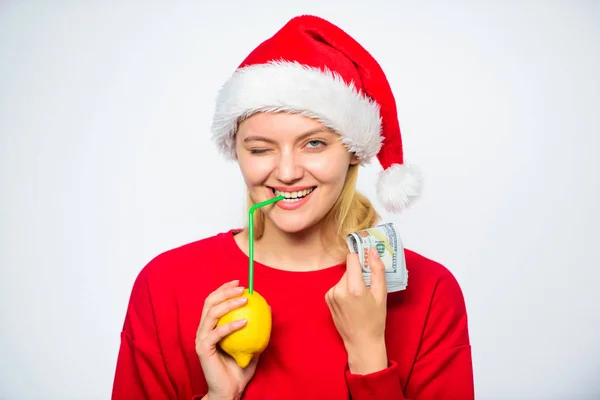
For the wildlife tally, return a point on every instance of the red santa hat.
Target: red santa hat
(313, 68)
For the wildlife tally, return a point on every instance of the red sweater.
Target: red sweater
(426, 332)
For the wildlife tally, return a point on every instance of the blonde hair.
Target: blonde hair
(351, 212)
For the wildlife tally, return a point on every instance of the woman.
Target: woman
(300, 115)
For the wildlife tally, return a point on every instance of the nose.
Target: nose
(288, 169)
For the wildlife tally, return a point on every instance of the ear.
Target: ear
(354, 159)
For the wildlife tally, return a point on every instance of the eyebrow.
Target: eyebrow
(303, 136)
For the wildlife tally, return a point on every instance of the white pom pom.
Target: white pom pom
(398, 186)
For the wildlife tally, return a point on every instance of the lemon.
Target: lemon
(253, 338)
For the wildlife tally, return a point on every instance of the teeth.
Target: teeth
(293, 196)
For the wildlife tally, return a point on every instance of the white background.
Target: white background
(106, 161)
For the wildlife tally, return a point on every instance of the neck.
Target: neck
(302, 251)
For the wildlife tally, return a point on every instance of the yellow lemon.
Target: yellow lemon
(253, 338)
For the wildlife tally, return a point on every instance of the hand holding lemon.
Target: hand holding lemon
(241, 324)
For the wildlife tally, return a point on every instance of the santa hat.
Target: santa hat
(313, 68)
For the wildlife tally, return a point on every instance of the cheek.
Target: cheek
(329, 170)
(255, 169)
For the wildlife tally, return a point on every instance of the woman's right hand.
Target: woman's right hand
(225, 379)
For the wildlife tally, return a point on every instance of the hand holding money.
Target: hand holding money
(386, 240)
(359, 314)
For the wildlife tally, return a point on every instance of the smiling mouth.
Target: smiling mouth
(291, 197)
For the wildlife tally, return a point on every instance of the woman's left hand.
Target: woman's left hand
(359, 314)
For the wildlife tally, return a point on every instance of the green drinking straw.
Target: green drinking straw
(251, 239)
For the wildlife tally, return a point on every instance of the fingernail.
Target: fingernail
(239, 289)
(235, 282)
(240, 322)
(374, 252)
(241, 300)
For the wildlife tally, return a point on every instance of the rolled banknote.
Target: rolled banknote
(389, 247)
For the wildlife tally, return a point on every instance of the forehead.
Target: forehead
(280, 126)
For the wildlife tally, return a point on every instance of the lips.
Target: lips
(293, 195)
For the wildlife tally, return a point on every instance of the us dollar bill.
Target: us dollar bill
(389, 246)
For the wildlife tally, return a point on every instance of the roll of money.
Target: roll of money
(386, 240)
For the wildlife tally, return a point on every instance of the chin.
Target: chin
(292, 225)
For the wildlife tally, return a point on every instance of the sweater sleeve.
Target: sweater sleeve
(443, 366)
(140, 371)
(380, 385)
